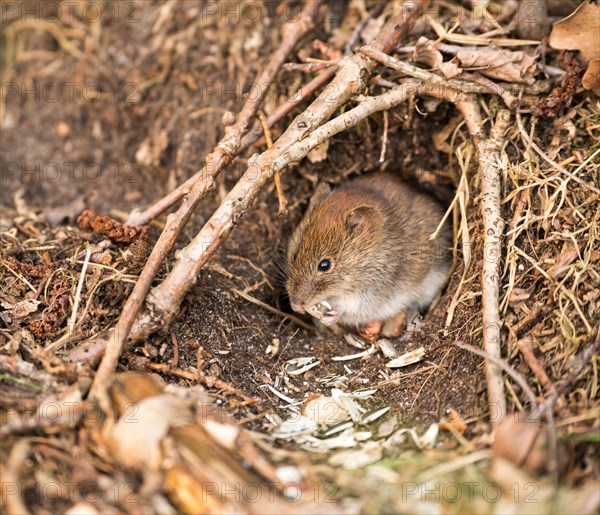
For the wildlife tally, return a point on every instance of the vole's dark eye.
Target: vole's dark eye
(324, 265)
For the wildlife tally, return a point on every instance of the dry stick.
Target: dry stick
(493, 225)
(298, 321)
(385, 136)
(427, 76)
(144, 217)
(525, 347)
(488, 156)
(163, 302)
(509, 99)
(280, 196)
(222, 154)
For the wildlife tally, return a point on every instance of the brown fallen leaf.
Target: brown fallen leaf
(67, 212)
(525, 442)
(427, 53)
(518, 295)
(453, 421)
(579, 31)
(562, 263)
(591, 78)
(499, 63)
(492, 61)
(25, 307)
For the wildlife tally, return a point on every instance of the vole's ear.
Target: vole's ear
(321, 193)
(361, 218)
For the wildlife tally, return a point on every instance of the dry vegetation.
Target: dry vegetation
(239, 405)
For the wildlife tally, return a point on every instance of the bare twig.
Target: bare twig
(384, 138)
(280, 196)
(308, 67)
(488, 151)
(73, 318)
(526, 349)
(175, 361)
(223, 154)
(489, 164)
(276, 311)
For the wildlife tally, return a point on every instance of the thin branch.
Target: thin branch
(309, 327)
(493, 224)
(280, 196)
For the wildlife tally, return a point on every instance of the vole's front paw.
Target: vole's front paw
(371, 330)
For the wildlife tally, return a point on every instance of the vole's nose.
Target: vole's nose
(298, 307)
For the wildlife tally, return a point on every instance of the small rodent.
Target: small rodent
(362, 253)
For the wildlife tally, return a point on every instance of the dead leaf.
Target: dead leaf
(452, 420)
(563, 133)
(579, 31)
(525, 443)
(65, 213)
(324, 410)
(499, 63)
(562, 263)
(492, 61)
(450, 69)
(136, 437)
(591, 78)
(518, 295)
(24, 308)
(425, 52)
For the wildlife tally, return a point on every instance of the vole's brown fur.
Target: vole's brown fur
(375, 231)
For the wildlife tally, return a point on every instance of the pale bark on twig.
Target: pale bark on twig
(163, 302)
(493, 225)
(488, 152)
